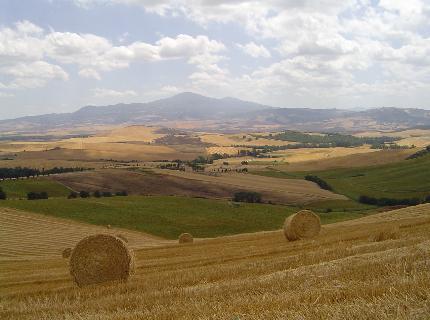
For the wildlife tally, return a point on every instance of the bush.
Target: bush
(37, 195)
(97, 194)
(3, 195)
(73, 195)
(107, 194)
(320, 182)
(121, 193)
(250, 197)
(84, 194)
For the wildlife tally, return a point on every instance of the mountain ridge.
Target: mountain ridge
(227, 113)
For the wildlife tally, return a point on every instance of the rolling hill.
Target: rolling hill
(227, 114)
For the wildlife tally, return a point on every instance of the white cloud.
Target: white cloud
(109, 93)
(254, 50)
(5, 94)
(89, 73)
(24, 48)
(32, 75)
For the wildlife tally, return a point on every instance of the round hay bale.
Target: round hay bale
(101, 258)
(66, 253)
(301, 225)
(186, 238)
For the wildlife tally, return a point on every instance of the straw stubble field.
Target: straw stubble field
(341, 274)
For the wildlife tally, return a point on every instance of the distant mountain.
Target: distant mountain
(227, 114)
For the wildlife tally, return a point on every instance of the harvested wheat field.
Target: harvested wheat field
(340, 274)
(26, 235)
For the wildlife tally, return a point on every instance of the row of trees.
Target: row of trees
(96, 194)
(383, 202)
(21, 172)
(320, 182)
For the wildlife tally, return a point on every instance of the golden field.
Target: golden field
(359, 159)
(416, 137)
(341, 274)
(243, 139)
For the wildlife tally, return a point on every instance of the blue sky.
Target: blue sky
(60, 55)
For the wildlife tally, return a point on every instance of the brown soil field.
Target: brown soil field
(26, 235)
(289, 191)
(341, 274)
(143, 184)
(354, 160)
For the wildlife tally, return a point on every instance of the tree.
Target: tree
(73, 195)
(245, 196)
(84, 194)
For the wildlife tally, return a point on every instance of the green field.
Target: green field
(20, 188)
(169, 216)
(405, 179)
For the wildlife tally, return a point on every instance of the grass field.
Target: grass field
(341, 274)
(20, 188)
(170, 216)
(405, 179)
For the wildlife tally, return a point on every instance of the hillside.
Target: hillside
(199, 113)
(399, 180)
(342, 274)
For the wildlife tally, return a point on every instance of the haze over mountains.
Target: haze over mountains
(197, 112)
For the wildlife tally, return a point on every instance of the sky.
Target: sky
(60, 55)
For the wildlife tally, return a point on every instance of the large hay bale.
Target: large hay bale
(301, 225)
(101, 258)
(66, 253)
(186, 238)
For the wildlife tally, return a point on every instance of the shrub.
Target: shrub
(250, 197)
(84, 194)
(37, 195)
(3, 195)
(107, 194)
(73, 195)
(320, 182)
(97, 194)
(121, 193)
